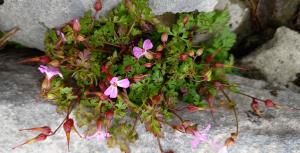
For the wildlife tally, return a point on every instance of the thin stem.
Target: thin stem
(159, 145)
(179, 117)
(234, 110)
(252, 97)
(133, 24)
(59, 126)
(110, 44)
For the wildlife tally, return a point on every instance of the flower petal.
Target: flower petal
(206, 129)
(147, 44)
(43, 69)
(114, 92)
(114, 80)
(137, 52)
(111, 91)
(108, 90)
(123, 83)
(195, 142)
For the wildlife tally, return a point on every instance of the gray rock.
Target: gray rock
(276, 132)
(278, 59)
(239, 14)
(34, 17)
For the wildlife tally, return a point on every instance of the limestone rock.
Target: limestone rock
(276, 132)
(34, 17)
(278, 59)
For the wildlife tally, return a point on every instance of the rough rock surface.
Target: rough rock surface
(34, 17)
(239, 14)
(276, 132)
(278, 59)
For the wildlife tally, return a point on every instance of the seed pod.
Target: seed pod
(164, 37)
(98, 5)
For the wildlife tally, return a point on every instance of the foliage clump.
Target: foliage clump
(128, 68)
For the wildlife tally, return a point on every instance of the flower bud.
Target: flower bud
(148, 65)
(254, 104)
(128, 68)
(164, 37)
(160, 48)
(104, 69)
(209, 59)
(98, 5)
(185, 20)
(199, 52)
(76, 25)
(157, 55)
(156, 99)
(192, 108)
(44, 59)
(183, 57)
(109, 114)
(269, 103)
(139, 77)
(219, 65)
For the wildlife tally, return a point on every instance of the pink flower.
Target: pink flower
(218, 147)
(112, 90)
(200, 137)
(50, 71)
(139, 52)
(61, 35)
(100, 135)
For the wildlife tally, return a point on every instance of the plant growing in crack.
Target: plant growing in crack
(128, 68)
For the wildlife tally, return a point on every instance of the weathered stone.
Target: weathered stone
(276, 132)
(278, 59)
(35, 17)
(239, 14)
